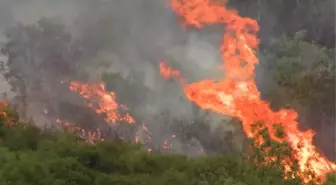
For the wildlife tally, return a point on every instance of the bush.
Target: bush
(29, 156)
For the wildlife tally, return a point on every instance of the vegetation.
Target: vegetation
(30, 156)
(297, 70)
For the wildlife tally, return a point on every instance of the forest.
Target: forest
(91, 107)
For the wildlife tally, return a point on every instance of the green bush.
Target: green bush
(29, 156)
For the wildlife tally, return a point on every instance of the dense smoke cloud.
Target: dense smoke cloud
(126, 38)
(134, 36)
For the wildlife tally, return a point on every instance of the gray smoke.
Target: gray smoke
(127, 38)
(30, 11)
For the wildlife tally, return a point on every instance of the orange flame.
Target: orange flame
(167, 72)
(3, 113)
(107, 103)
(91, 137)
(237, 94)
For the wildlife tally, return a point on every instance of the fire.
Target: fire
(107, 104)
(237, 94)
(3, 105)
(3, 113)
(91, 137)
(167, 72)
(144, 134)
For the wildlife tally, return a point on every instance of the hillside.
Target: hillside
(30, 156)
(186, 92)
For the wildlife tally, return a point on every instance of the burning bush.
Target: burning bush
(38, 157)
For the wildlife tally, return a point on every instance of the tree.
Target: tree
(39, 56)
(304, 79)
(279, 17)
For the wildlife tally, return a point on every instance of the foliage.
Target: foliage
(44, 53)
(304, 79)
(30, 156)
(288, 17)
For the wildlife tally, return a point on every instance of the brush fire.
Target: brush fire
(235, 95)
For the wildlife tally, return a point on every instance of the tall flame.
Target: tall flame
(237, 94)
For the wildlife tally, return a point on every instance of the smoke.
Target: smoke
(124, 38)
(13, 12)
(30, 11)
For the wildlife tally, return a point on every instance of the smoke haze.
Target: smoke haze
(126, 38)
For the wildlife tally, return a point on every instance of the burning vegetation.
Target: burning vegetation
(99, 140)
(237, 94)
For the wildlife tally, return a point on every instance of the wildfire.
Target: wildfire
(3, 105)
(107, 104)
(90, 136)
(167, 72)
(3, 113)
(237, 94)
